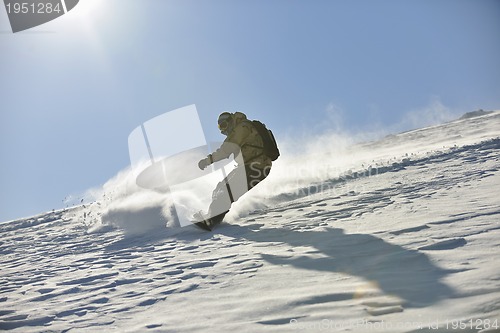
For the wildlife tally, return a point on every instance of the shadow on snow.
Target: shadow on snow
(408, 274)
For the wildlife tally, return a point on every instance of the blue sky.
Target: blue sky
(73, 89)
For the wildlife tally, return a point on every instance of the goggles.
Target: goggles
(223, 125)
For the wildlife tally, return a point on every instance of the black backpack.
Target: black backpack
(270, 146)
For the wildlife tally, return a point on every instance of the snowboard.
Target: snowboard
(203, 225)
(207, 224)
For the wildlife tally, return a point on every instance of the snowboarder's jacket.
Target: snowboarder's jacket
(245, 137)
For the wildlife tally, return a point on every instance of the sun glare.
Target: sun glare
(87, 11)
(87, 21)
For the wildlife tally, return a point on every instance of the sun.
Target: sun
(86, 21)
(86, 11)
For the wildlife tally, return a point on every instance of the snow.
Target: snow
(396, 235)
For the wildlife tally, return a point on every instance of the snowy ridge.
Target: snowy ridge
(404, 236)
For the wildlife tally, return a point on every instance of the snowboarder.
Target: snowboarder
(258, 149)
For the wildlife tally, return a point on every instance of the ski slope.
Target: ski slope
(397, 235)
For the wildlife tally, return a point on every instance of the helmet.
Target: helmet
(225, 122)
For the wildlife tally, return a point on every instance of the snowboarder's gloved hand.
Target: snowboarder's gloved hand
(204, 163)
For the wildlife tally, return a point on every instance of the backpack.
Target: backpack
(270, 146)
